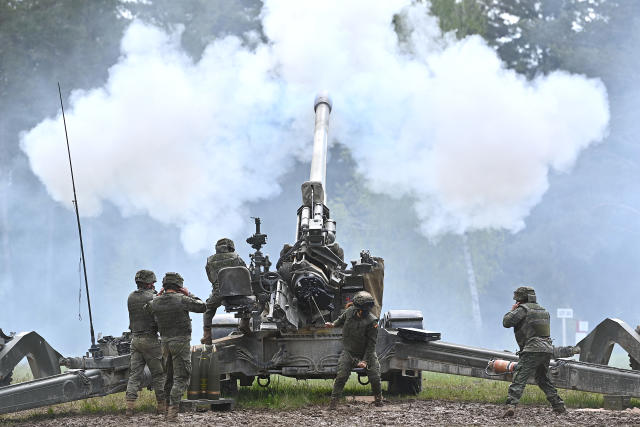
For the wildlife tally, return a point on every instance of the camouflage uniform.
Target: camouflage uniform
(145, 346)
(225, 256)
(171, 311)
(531, 323)
(359, 337)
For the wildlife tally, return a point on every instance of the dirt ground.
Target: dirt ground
(405, 413)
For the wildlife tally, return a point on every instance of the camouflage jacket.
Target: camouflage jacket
(220, 260)
(141, 322)
(530, 323)
(171, 311)
(359, 334)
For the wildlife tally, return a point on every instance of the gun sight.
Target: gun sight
(257, 240)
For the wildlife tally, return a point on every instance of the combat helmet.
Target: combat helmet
(225, 245)
(524, 294)
(145, 276)
(363, 300)
(172, 279)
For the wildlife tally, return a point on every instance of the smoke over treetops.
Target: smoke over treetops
(192, 142)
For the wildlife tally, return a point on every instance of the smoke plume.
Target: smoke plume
(191, 143)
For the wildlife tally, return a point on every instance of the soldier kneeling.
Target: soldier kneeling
(359, 336)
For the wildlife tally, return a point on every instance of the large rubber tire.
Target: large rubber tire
(405, 385)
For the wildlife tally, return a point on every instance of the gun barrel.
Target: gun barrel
(322, 107)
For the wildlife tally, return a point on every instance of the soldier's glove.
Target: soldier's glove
(362, 364)
(206, 338)
(161, 291)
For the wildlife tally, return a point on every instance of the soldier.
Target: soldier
(225, 256)
(171, 309)
(531, 325)
(359, 336)
(145, 346)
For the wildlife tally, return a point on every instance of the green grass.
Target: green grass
(287, 393)
(468, 389)
(21, 373)
(111, 404)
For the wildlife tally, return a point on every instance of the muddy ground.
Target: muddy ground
(405, 413)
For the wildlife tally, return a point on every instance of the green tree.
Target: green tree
(465, 17)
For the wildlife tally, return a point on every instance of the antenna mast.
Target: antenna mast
(75, 204)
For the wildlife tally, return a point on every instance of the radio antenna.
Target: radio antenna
(75, 205)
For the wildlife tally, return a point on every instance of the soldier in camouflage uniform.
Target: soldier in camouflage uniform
(225, 256)
(531, 323)
(171, 310)
(359, 337)
(145, 346)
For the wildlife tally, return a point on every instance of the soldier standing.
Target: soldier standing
(359, 337)
(171, 309)
(225, 256)
(145, 346)
(531, 325)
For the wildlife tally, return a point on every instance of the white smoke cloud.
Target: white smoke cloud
(191, 143)
(186, 143)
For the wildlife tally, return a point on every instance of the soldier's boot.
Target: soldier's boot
(172, 413)
(161, 408)
(559, 409)
(510, 412)
(206, 338)
(333, 404)
(378, 400)
(130, 405)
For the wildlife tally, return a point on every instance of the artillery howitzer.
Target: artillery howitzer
(283, 312)
(312, 283)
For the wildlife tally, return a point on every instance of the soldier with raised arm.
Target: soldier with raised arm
(359, 337)
(531, 325)
(171, 310)
(225, 256)
(145, 345)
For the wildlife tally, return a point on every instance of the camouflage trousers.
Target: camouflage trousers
(213, 302)
(176, 354)
(348, 361)
(536, 364)
(145, 350)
